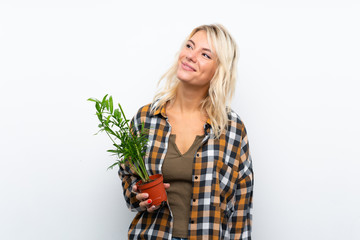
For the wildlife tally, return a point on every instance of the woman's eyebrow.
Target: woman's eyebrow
(205, 49)
(191, 41)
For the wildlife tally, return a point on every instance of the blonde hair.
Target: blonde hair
(222, 86)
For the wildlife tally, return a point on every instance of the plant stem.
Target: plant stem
(144, 178)
(110, 137)
(142, 165)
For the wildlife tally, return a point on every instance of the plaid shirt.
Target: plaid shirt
(222, 184)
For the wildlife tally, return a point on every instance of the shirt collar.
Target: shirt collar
(161, 111)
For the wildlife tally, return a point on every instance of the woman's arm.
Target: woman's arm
(128, 180)
(241, 219)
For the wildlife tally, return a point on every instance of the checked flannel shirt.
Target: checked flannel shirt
(222, 187)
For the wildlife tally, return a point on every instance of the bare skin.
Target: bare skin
(185, 125)
(196, 67)
(197, 64)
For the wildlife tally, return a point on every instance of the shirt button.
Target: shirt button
(197, 155)
(194, 200)
(192, 221)
(196, 177)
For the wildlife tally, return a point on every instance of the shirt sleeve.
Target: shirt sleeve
(128, 178)
(241, 219)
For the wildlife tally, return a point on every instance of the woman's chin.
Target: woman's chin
(185, 76)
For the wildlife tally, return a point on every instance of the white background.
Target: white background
(298, 94)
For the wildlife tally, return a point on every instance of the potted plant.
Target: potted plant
(129, 146)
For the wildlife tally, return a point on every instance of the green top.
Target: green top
(177, 170)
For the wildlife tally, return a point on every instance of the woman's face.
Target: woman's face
(197, 63)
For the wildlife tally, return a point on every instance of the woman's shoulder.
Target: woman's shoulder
(234, 118)
(147, 108)
(236, 125)
(145, 112)
(144, 108)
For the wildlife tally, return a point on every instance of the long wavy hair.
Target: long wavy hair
(222, 86)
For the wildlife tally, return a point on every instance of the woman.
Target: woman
(200, 146)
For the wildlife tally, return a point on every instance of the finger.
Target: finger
(145, 204)
(166, 185)
(142, 196)
(153, 208)
(134, 188)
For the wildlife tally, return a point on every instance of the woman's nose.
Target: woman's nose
(191, 56)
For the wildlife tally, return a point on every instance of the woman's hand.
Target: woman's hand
(145, 202)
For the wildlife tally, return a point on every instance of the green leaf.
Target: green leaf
(129, 144)
(122, 112)
(111, 167)
(111, 104)
(99, 116)
(113, 151)
(109, 130)
(93, 100)
(103, 100)
(101, 130)
(108, 119)
(117, 115)
(107, 104)
(97, 106)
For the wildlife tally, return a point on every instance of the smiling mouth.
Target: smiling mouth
(187, 67)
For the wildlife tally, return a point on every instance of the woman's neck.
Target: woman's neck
(188, 99)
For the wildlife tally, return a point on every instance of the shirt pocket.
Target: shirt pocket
(223, 187)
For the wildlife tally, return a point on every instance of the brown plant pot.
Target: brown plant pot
(155, 189)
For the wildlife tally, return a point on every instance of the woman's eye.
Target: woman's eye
(207, 56)
(188, 45)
